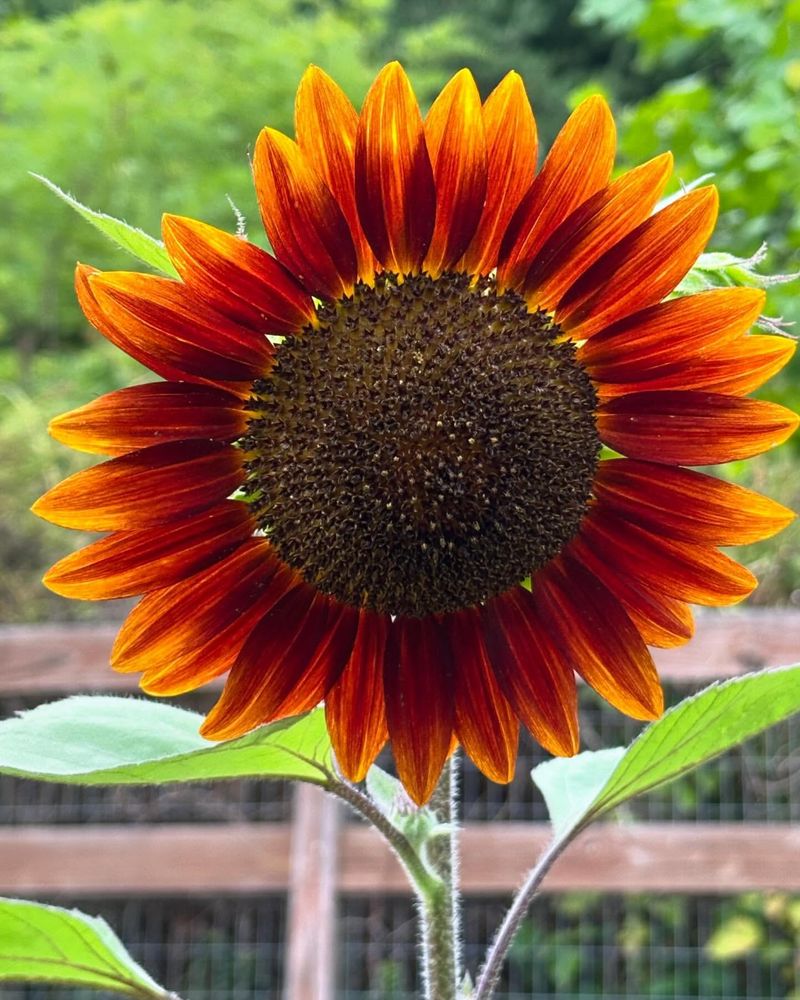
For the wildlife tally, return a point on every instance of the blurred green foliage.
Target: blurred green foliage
(144, 106)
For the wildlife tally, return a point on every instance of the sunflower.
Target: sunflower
(372, 473)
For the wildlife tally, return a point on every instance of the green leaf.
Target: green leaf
(137, 242)
(417, 823)
(580, 789)
(102, 740)
(41, 943)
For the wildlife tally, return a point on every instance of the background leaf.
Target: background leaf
(101, 740)
(41, 943)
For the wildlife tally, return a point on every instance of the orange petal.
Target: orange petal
(486, 725)
(133, 562)
(598, 638)
(171, 323)
(326, 124)
(670, 331)
(661, 620)
(735, 370)
(237, 278)
(394, 180)
(532, 671)
(288, 663)
(144, 488)
(456, 142)
(142, 415)
(642, 268)
(685, 570)
(688, 505)
(169, 625)
(212, 649)
(692, 428)
(305, 225)
(511, 146)
(355, 709)
(418, 684)
(578, 164)
(596, 225)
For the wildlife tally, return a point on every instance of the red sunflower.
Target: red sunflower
(346, 512)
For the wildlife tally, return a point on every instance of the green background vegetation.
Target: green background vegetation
(143, 106)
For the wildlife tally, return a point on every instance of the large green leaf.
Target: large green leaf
(580, 789)
(41, 943)
(137, 242)
(101, 740)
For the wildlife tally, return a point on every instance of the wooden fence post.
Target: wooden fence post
(310, 949)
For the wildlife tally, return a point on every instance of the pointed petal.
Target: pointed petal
(661, 620)
(593, 228)
(144, 488)
(237, 278)
(692, 428)
(735, 370)
(418, 685)
(394, 180)
(326, 124)
(456, 142)
(598, 638)
(133, 562)
(578, 164)
(642, 268)
(226, 620)
(532, 671)
(305, 225)
(662, 334)
(143, 415)
(686, 570)
(688, 505)
(355, 709)
(511, 163)
(168, 321)
(486, 724)
(286, 666)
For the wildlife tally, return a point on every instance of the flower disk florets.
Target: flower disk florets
(426, 447)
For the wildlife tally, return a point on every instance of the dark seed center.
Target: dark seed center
(427, 447)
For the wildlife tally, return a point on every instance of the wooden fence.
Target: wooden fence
(316, 856)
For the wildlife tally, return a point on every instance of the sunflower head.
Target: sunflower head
(362, 444)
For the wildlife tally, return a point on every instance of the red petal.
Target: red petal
(290, 660)
(685, 570)
(456, 142)
(511, 160)
(734, 370)
(692, 428)
(642, 268)
(688, 505)
(305, 225)
(486, 725)
(578, 164)
(394, 181)
(669, 332)
(237, 278)
(661, 620)
(355, 709)
(167, 320)
(418, 683)
(596, 225)
(144, 488)
(133, 562)
(531, 670)
(598, 638)
(326, 124)
(143, 415)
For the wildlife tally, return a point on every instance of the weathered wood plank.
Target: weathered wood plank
(250, 858)
(67, 658)
(310, 956)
